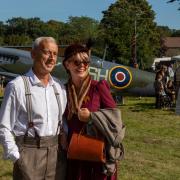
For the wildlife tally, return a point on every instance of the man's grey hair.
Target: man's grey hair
(38, 40)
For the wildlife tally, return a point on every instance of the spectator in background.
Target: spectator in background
(177, 80)
(159, 90)
(170, 71)
(164, 73)
(170, 90)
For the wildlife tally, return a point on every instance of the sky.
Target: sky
(60, 10)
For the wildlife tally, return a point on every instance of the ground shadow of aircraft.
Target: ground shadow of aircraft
(123, 80)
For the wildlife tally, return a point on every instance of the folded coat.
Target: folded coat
(109, 123)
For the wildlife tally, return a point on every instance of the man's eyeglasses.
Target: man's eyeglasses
(78, 63)
(48, 52)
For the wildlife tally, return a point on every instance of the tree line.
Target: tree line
(125, 24)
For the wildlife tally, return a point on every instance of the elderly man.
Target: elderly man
(31, 116)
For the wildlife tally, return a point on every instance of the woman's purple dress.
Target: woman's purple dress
(98, 96)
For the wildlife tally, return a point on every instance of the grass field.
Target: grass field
(1, 93)
(152, 143)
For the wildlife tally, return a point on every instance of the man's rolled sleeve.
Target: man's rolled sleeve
(7, 121)
(10, 148)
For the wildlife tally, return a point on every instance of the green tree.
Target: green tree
(56, 29)
(20, 40)
(1, 40)
(2, 31)
(17, 25)
(164, 32)
(2, 28)
(176, 33)
(119, 24)
(80, 28)
(35, 27)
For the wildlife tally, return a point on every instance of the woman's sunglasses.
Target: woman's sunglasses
(78, 63)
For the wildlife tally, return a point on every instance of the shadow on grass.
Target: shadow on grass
(148, 106)
(9, 174)
(142, 107)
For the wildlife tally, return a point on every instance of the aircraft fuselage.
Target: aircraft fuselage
(122, 79)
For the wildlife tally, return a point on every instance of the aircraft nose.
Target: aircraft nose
(120, 77)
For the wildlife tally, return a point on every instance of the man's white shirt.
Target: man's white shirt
(13, 112)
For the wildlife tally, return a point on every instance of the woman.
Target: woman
(84, 96)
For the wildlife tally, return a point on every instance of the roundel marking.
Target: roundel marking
(120, 77)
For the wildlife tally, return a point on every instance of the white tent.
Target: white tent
(176, 58)
(157, 60)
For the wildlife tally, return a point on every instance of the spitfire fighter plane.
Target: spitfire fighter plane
(122, 79)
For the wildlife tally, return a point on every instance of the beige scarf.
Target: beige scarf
(75, 99)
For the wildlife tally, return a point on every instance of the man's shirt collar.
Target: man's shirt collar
(35, 81)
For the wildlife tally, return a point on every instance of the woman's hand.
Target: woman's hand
(83, 114)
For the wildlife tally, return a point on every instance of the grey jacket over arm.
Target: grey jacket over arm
(108, 122)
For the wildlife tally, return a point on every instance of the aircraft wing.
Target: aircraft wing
(8, 74)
